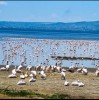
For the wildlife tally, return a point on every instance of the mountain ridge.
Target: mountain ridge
(84, 26)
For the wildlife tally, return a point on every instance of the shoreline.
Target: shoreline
(70, 40)
(24, 67)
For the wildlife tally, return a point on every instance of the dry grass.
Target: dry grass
(53, 84)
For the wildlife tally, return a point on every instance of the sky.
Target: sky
(49, 11)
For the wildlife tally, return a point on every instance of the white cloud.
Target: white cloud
(3, 3)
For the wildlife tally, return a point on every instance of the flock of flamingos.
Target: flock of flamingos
(32, 51)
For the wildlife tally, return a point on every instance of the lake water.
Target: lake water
(39, 46)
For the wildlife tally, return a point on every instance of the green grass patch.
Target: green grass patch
(13, 92)
(30, 94)
(60, 96)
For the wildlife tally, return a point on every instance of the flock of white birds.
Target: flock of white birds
(42, 71)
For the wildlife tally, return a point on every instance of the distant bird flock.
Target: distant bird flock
(33, 52)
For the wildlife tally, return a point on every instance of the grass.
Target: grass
(14, 92)
(29, 94)
(60, 96)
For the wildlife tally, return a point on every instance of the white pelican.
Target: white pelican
(79, 70)
(18, 70)
(97, 68)
(26, 75)
(22, 76)
(53, 67)
(21, 82)
(48, 68)
(19, 67)
(77, 83)
(31, 75)
(43, 67)
(72, 69)
(14, 71)
(12, 76)
(58, 69)
(43, 75)
(38, 67)
(28, 67)
(7, 67)
(97, 73)
(34, 73)
(84, 71)
(3, 69)
(80, 84)
(63, 75)
(64, 70)
(32, 79)
(67, 83)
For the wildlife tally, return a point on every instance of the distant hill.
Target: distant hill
(51, 26)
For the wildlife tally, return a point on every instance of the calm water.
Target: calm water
(37, 50)
(50, 35)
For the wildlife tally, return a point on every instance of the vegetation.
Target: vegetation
(30, 94)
